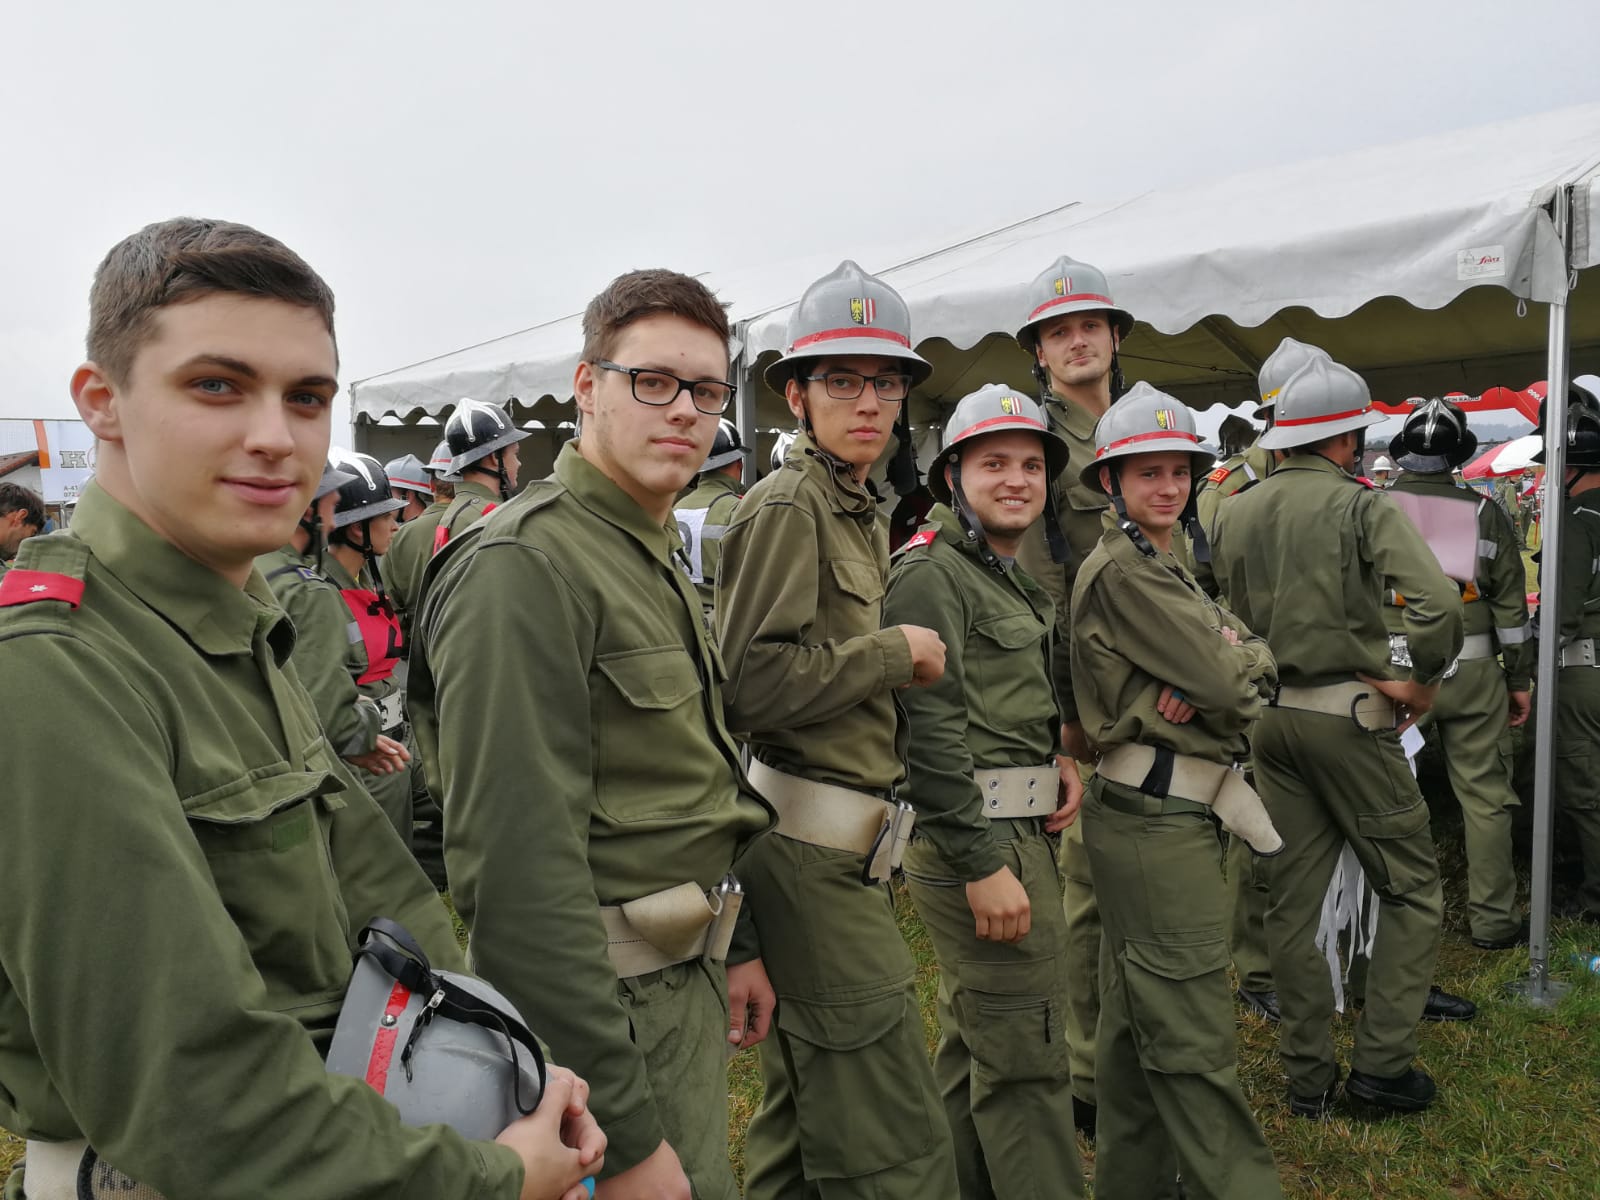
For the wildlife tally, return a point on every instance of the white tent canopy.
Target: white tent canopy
(1341, 251)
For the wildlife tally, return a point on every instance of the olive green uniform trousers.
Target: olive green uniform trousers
(1577, 781)
(1083, 956)
(850, 1106)
(1248, 898)
(1324, 782)
(1001, 1063)
(675, 1014)
(1469, 718)
(1166, 1013)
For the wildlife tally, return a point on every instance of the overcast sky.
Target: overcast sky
(460, 172)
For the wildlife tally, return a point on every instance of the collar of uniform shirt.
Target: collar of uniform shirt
(1311, 462)
(593, 489)
(847, 496)
(216, 616)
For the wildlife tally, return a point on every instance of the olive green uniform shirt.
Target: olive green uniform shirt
(811, 674)
(993, 707)
(1081, 512)
(1305, 557)
(325, 637)
(1580, 567)
(1141, 623)
(703, 517)
(565, 687)
(1499, 603)
(1241, 471)
(186, 866)
(472, 502)
(409, 552)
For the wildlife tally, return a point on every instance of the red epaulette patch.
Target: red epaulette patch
(925, 538)
(441, 535)
(1218, 475)
(489, 508)
(1367, 483)
(25, 587)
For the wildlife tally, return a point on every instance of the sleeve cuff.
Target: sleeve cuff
(896, 657)
(632, 1139)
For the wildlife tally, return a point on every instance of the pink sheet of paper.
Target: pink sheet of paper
(1449, 526)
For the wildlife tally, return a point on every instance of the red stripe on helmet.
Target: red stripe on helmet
(855, 331)
(383, 1044)
(1144, 437)
(1354, 412)
(1104, 301)
(991, 422)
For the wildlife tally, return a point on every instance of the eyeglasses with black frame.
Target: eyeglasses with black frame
(847, 385)
(660, 388)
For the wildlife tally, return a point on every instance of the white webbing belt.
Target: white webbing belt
(671, 926)
(1364, 704)
(53, 1168)
(1579, 652)
(1018, 792)
(837, 818)
(1477, 645)
(1200, 781)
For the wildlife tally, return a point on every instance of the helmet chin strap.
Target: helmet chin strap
(970, 524)
(314, 528)
(369, 560)
(1124, 522)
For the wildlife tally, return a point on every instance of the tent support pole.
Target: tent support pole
(1539, 989)
(745, 406)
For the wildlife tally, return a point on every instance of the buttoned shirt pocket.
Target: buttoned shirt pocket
(647, 704)
(1008, 696)
(265, 840)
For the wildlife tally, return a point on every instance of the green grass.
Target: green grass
(1518, 1115)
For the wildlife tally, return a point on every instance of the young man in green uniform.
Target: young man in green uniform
(1073, 330)
(984, 780)
(297, 574)
(1247, 885)
(1169, 684)
(1306, 557)
(412, 545)
(703, 514)
(484, 459)
(1482, 700)
(565, 685)
(850, 1107)
(175, 819)
(363, 524)
(21, 517)
(1578, 692)
(411, 482)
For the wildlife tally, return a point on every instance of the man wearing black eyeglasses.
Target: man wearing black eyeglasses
(591, 822)
(850, 1107)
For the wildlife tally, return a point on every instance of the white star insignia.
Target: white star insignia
(39, 587)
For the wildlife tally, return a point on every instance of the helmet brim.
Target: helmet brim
(1286, 437)
(725, 458)
(467, 457)
(1057, 457)
(1121, 320)
(367, 512)
(780, 372)
(1201, 460)
(332, 480)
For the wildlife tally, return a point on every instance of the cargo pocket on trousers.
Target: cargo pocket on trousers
(1179, 1006)
(1011, 1024)
(1399, 838)
(857, 1078)
(1576, 786)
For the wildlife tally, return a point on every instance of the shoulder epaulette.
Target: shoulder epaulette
(926, 538)
(1218, 475)
(47, 568)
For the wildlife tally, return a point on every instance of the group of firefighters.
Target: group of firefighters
(1122, 714)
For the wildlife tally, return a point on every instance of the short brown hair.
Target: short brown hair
(172, 262)
(638, 294)
(14, 497)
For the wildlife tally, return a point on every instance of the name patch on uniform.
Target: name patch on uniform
(26, 587)
(925, 538)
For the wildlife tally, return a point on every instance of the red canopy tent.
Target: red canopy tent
(1526, 402)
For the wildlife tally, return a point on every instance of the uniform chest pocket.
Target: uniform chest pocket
(860, 580)
(266, 843)
(648, 734)
(1008, 678)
